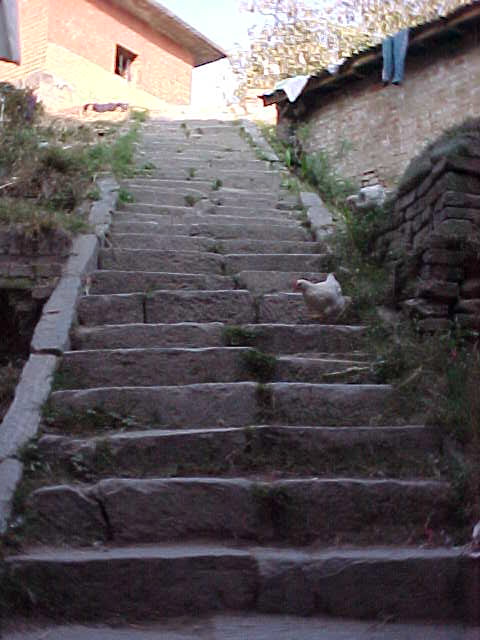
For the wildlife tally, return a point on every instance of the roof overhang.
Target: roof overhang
(168, 24)
(354, 67)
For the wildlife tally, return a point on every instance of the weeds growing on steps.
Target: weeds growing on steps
(436, 377)
(49, 166)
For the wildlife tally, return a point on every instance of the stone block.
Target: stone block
(438, 290)
(23, 417)
(470, 288)
(444, 257)
(10, 475)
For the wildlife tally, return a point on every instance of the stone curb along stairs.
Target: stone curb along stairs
(216, 449)
(51, 338)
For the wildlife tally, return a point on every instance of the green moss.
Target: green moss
(261, 366)
(236, 336)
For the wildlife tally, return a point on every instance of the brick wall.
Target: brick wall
(33, 20)
(68, 54)
(93, 29)
(87, 82)
(365, 126)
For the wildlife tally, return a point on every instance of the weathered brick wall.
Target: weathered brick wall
(33, 21)
(93, 29)
(68, 53)
(87, 82)
(365, 126)
(433, 242)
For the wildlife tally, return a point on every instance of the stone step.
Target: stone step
(291, 308)
(234, 307)
(218, 194)
(158, 260)
(203, 210)
(254, 626)
(179, 366)
(181, 165)
(236, 179)
(270, 338)
(235, 404)
(203, 262)
(261, 282)
(173, 580)
(153, 190)
(204, 243)
(305, 262)
(229, 230)
(294, 511)
(257, 451)
(161, 242)
(105, 282)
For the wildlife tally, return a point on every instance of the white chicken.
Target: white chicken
(324, 300)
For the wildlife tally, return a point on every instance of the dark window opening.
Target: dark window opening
(123, 62)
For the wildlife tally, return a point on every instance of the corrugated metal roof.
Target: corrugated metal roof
(168, 24)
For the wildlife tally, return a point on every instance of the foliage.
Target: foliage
(20, 105)
(297, 37)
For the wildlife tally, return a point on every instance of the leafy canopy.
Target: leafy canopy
(297, 37)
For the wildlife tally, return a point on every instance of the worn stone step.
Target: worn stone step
(234, 307)
(102, 584)
(127, 308)
(307, 262)
(180, 166)
(158, 260)
(173, 580)
(258, 451)
(203, 211)
(245, 197)
(236, 404)
(271, 338)
(310, 368)
(172, 366)
(255, 626)
(290, 308)
(229, 230)
(161, 242)
(109, 281)
(152, 190)
(297, 511)
(261, 282)
(204, 243)
(154, 366)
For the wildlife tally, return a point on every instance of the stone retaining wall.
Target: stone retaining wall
(432, 241)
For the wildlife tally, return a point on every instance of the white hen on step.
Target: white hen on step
(324, 300)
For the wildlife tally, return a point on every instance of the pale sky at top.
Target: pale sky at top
(219, 20)
(223, 23)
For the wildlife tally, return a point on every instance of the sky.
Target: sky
(223, 23)
(219, 20)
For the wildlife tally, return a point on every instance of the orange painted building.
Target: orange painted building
(79, 51)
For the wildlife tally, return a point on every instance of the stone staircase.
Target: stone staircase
(208, 448)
